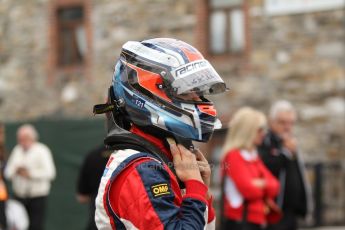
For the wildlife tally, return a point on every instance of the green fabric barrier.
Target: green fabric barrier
(69, 141)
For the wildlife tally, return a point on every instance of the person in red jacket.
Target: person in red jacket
(248, 186)
(156, 107)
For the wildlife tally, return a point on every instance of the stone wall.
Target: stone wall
(23, 49)
(301, 58)
(26, 89)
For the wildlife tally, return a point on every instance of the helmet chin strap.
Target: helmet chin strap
(188, 144)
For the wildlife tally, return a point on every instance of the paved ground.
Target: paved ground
(326, 228)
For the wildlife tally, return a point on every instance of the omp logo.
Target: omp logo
(190, 67)
(160, 189)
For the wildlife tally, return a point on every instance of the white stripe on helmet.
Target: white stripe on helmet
(174, 54)
(151, 54)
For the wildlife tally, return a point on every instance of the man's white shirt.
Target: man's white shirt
(39, 162)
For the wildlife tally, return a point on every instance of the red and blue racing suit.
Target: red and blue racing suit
(138, 191)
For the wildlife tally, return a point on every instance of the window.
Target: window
(226, 27)
(71, 36)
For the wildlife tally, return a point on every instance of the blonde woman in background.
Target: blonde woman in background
(248, 187)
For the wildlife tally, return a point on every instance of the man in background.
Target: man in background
(280, 154)
(90, 175)
(31, 169)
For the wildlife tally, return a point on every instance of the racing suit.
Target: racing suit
(139, 191)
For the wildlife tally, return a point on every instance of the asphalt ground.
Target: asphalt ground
(326, 228)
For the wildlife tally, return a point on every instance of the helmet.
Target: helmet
(159, 84)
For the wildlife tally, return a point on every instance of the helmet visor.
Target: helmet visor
(197, 77)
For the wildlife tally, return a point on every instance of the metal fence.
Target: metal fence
(328, 186)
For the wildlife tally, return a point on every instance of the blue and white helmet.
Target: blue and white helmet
(160, 84)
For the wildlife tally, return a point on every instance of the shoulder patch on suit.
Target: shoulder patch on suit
(160, 189)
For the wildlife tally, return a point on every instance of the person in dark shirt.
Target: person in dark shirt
(279, 153)
(89, 177)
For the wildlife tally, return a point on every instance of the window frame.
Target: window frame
(54, 67)
(204, 13)
(72, 25)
